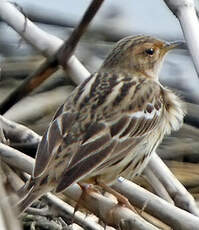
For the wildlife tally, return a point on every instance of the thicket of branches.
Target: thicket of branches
(162, 201)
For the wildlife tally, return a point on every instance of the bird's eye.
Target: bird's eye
(150, 51)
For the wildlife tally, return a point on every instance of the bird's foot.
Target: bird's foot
(122, 200)
(86, 189)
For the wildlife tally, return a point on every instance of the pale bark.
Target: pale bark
(103, 206)
(19, 133)
(168, 213)
(186, 14)
(176, 190)
(47, 44)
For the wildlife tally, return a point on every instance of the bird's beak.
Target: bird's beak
(174, 45)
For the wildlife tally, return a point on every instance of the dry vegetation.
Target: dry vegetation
(161, 208)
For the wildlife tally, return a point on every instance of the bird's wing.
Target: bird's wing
(138, 121)
(96, 146)
(98, 141)
(82, 156)
(105, 143)
(52, 140)
(142, 108)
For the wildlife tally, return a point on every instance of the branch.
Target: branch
(168, 213)
(65, 209)
(16, 158)
(176, 190)
(159, 189)
(107, 210)
(102, 206)
(47, 44)
(8, 216)
(51, 64)
(69, 46)
(18, 133)
(184, 10)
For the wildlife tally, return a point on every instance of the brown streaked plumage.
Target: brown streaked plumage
(110, 124)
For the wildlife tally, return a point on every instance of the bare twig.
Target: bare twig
(185, 12)
(69, 46)
(51, 64)
(159, 189)
(18, 133)
(8, 218)
(168, 213)
(66, 210)
(16, 158)
(102, 206)
(47, 44)
(176, 190)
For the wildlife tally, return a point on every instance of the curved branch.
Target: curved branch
(104, 207)
(176, 190)
(186, 14)
(51, 64)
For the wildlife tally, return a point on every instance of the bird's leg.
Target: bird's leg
(85, 189)
(120, 198)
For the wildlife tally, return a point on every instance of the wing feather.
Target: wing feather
(83, 167)
(89, 149)
(51, 141)
(102, 143)
(136, 125)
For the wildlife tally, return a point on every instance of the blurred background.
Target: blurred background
(115, 20)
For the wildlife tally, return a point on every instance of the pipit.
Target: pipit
(111, 124)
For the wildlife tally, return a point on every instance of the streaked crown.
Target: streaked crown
(138, 54)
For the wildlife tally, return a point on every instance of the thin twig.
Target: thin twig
(18, 133)
(51, 64)
(105, 208)
(69, 46)
(166, 212)
(176, 190)
(186, 14)
(102, 206)
(47, 44)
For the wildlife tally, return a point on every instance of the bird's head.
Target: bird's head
(138, 55)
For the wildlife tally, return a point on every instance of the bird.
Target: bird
(111, 123)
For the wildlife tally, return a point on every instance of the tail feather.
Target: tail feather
(24, 190)
(32, 194)
(25, 202)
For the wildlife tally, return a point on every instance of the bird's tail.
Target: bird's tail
(23, 191)
(30, 193)
(25, 202)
